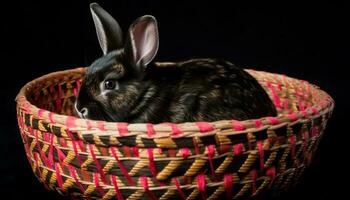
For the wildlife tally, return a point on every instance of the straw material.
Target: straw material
(210, 160)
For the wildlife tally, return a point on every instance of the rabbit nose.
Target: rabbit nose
(84, 112)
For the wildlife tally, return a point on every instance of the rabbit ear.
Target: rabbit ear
(142, 42)
(108, 31)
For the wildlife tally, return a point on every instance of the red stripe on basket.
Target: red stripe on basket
(40, 113)
(144, 183)
(60, 92)
(36, 158)
(185, 152)
(292, 116)
(174, 129)
(201, 185)
(75, 91)
(75, 149)
(160, 151)
(276, 98)
(286, 104)
(70, 121)
(304, 113)
(42, 154)
(300, 103)
(116, 189)
(211, 152)
(89, 125)
(75, 177)
(272, 173)
(81, 146)
(152, 166)
(30, 130)
(237, 125)
(51, 149)
(61, 156)
(228, 185)
(58, 105)
(44, 159)
(100, 125)
(59, 177)
(292, 144)
(63, 142)
(126, 151)
(254, 176)
(46, 136)
(258, 123)
(135, 150)
(122, 128)
(237, 149)
(314, 110)
(52, 92)
(51, 117)
(179, 190)
(204, 127)
(279, 86)
(273, 120)
(78, 83)
(98, 165)
(150, 130)
(97, 185)
(261, 154)
(122, 167)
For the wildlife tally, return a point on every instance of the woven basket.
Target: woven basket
(210, 160)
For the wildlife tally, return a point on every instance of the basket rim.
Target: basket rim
(326, 104)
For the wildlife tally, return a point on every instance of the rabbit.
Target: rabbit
(124, 85)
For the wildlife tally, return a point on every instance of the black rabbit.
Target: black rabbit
(124, 85)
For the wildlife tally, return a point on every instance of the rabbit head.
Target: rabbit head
(112, 87)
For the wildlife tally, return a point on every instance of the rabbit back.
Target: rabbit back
(201, 90)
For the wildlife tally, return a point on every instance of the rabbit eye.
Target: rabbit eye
(110, 85)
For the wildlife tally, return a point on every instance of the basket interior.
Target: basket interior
(289, 95)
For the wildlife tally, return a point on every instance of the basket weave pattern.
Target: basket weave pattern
(209, 160)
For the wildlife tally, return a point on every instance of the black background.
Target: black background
(302, 41)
